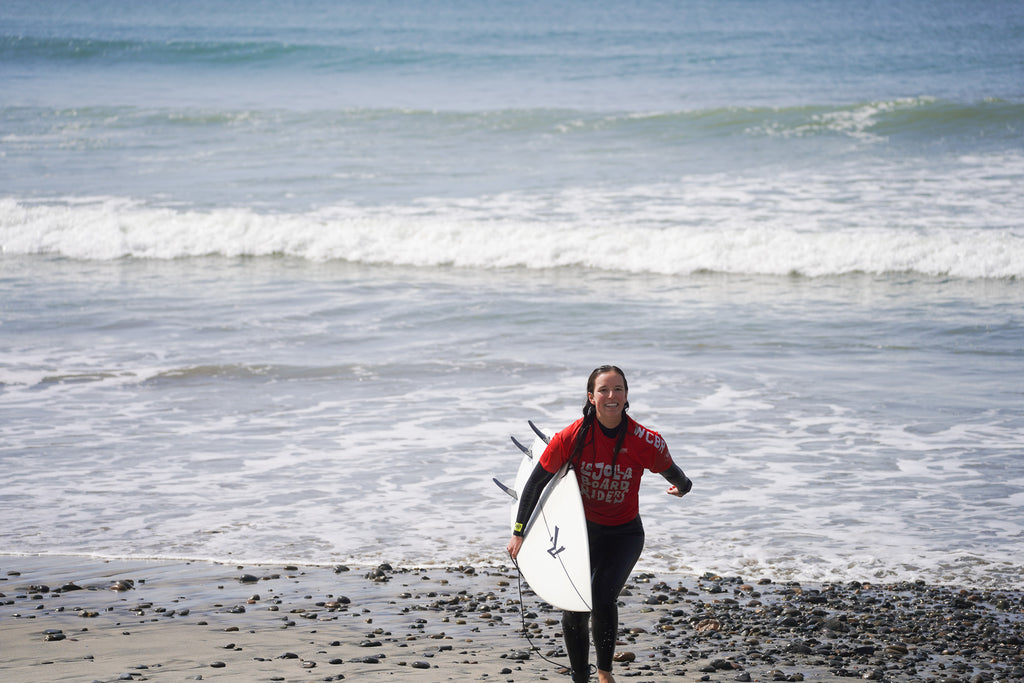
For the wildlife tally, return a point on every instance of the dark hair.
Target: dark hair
(590, 414)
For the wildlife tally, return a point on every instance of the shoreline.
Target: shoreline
(84, 619)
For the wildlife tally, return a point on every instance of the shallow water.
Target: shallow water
(277, 285)
(860, 426)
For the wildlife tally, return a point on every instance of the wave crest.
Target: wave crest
(511, 232)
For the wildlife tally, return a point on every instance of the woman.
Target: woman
(609, 452)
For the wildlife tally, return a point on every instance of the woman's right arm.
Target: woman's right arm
(539, 479)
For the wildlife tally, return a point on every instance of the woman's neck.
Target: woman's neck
(611, 431)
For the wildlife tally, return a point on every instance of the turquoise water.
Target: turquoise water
(279, 279)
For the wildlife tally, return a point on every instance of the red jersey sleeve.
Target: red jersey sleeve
(653, 448)
(559, 449)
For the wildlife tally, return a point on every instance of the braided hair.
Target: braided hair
(590, 416)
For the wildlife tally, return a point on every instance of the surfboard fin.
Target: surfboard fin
(506, 489)
(536, 430)
(521, 447)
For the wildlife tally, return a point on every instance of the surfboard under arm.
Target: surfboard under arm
(554, 558)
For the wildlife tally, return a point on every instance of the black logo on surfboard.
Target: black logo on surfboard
(554, 549)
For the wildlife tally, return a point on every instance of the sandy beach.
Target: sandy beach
(79, 619)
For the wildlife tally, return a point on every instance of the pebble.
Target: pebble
(901, 632)
(713, 628)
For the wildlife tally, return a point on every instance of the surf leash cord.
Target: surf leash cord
(592, 669)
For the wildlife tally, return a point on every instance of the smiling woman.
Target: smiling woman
(606, 391)
(608, 461)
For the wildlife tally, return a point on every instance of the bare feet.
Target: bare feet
(605, 676)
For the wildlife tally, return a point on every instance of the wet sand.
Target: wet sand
(80, 619)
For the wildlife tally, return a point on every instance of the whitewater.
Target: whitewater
(710, 225)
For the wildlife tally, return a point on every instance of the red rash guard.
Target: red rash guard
(610, 497)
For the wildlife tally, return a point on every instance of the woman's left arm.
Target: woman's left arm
(681, 484)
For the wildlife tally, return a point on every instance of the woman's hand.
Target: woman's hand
(513, 546)
(674, 491)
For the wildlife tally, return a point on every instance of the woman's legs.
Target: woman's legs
(613, 554)
(576, 631)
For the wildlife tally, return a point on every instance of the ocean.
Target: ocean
(279, 280)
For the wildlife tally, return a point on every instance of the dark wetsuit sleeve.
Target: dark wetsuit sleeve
(675, 476)
(539, 478)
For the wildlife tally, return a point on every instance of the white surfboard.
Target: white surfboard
(555, 557)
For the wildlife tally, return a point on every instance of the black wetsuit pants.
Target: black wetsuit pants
(614, 551)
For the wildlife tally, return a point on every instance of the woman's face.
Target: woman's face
(609, 397)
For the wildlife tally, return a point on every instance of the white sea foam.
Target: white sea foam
(808, 226)
(368, 473)
(857, 122)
